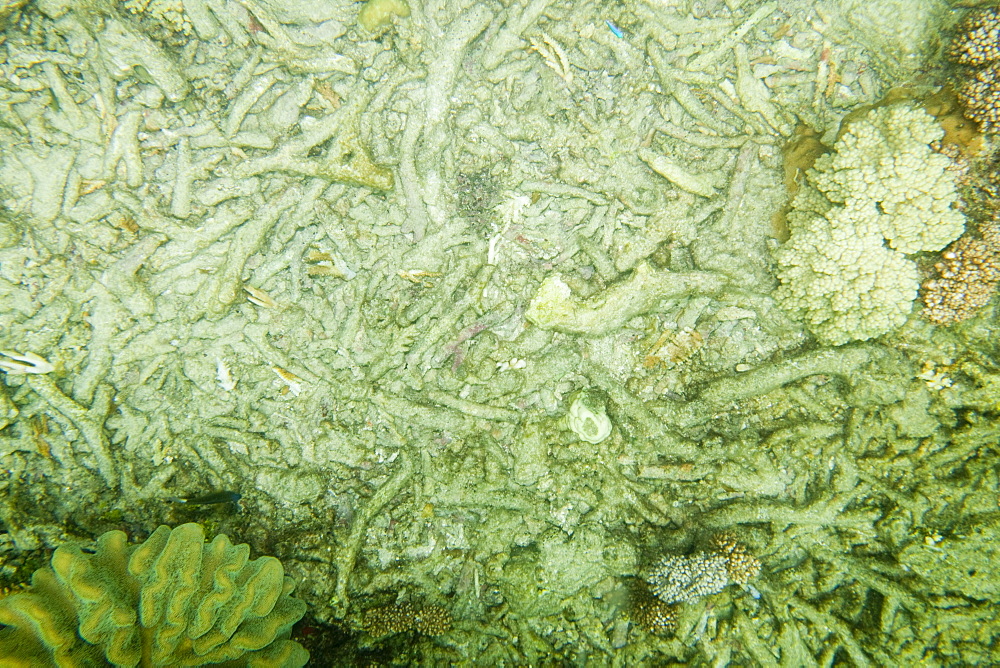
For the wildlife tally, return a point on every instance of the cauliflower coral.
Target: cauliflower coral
(881, 194)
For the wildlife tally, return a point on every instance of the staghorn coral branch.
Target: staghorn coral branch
(89, 422)
(348, 555)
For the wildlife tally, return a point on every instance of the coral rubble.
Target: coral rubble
(391, 402)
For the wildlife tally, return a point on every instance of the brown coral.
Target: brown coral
(977, 44)
(980, 95)
(977, 39)
(741, 565)
(173, 600)
(653, 615)
(968, 273)
(384, 620)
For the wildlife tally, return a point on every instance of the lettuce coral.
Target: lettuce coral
(173, 600)
(881, 194)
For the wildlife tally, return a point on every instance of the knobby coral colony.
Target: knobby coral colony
(968, 274)
(882, 194)
(969, 269)
(976, 47)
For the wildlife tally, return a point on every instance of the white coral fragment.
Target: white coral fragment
(291, 383)
(223, 375)
(554, 56)
(19, 365)
(513, 363)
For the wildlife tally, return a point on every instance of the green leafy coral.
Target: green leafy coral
(173, 600)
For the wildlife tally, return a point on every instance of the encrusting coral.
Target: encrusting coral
(173, 600)
(881, 194)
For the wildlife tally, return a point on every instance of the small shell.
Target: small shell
(587, 418)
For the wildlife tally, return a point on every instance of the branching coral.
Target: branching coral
(882, 185)
(977, 40)
(679, 578)
(653, 615)
(173, 600)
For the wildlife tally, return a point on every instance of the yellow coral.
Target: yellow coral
(173, 600)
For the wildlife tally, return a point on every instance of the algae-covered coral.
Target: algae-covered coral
(173, 600)
(361, 277)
